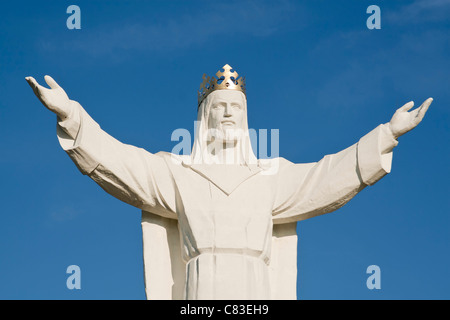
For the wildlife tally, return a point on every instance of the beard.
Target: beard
(224, 135)
(220, 140)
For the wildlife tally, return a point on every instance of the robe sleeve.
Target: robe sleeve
(129, 173)
(311, 189)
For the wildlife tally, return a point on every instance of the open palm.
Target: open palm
(403, 121)
(55, 98)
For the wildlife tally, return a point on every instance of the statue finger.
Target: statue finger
(32, 82)
(37, 88)
(423, 108)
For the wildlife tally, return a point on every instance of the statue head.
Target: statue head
(222, 118)
(226, 110)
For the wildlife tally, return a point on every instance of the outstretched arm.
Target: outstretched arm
(308, 190)
(128, 173)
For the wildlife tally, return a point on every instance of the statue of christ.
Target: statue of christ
(221, 223)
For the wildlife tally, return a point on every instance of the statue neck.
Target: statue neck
(224, 152)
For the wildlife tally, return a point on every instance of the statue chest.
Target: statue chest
(209, 217)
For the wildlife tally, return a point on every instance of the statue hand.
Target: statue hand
(55, 99)
(403, 121)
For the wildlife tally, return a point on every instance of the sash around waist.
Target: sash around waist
(234, 251)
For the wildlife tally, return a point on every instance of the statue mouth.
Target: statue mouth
(228, 122)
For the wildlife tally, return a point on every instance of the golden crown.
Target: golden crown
(225, 80)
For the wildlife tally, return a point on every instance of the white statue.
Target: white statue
(221, 224)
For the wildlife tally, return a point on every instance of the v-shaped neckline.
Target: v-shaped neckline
(226, 177)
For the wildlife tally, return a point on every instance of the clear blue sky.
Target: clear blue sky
(314, 71)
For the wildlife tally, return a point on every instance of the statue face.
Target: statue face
(226, 114)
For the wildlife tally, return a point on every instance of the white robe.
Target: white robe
(230, 225)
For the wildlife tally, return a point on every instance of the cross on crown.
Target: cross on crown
(226, 80)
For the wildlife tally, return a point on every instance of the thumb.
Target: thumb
(51, 82)
(406, 106)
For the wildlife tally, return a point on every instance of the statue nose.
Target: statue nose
(227, 110)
